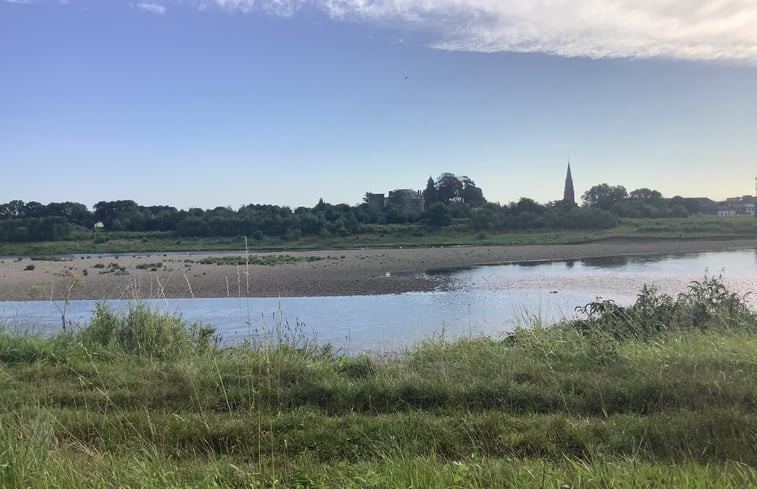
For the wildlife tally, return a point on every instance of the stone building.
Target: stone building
(412, 200)
(375, 201)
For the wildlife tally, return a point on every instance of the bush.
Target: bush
(145, 333)
(706, 305)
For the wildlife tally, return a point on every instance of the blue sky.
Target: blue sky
(211, 103)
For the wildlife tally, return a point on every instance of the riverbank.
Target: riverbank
(143, 400)
(293, 273)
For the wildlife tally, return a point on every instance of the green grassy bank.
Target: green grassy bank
(695, 227)
(659, 394)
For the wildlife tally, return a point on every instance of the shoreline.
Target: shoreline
(312, 273)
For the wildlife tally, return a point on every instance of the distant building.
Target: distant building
(736, 209)
(568, 194)
(375, 201)
(412, 200)
(734, 206)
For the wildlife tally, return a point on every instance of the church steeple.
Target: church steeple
(568, 195)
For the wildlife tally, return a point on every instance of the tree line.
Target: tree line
(451, 202)
(642, 202)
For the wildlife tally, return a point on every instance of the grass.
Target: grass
(113, 268)
(153, 267)
(660, 394)
(695, 227)
(269, 260)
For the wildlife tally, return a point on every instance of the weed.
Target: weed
(153, 267)
(657, 394)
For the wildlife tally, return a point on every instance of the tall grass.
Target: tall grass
(144, 332)
(660, 394)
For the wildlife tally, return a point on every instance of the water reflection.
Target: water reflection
(488, 300)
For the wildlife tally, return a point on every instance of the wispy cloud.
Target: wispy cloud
(708, 30)
(153, 8)
(682, 29)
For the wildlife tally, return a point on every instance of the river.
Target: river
(486, 300)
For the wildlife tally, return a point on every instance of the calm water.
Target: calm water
(489, 300)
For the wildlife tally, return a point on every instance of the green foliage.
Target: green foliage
(34, 229)
(144, 333)
(705, 305)
(604, 196)
(153, 267)
(46, 258)
(140, 399)
(31, 348)
(113, 268)
(25, 450)
(437, 215)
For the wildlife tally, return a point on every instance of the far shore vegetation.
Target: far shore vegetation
(661, 393)
(405, 235)
(455, 213)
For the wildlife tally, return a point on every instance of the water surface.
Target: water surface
(489, 300)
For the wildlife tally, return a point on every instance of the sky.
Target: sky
(206, 103)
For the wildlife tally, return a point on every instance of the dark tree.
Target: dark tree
(13, 209)
(604, 196)
(527, 205)
(645, 194)
(115, 214)
(438, 215)
(470, 194)
(430, 195)
(448, 188)
(73, 212)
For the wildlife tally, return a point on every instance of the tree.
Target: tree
(73, 212)
(448, 188)
(115, 214)
(437, 215)
(604, 196)
(645, 194)
(430, 195)
(13, 209)
(470, 194)
(527, 205)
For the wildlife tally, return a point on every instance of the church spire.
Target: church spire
(568, 195)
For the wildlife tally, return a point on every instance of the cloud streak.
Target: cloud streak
(710, 30)
(153, 8)
(680, 29)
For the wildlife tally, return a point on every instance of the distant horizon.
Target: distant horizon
(284, 102)
(358, 202)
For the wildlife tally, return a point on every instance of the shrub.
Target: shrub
(144, 332)
(153, 267)
(706, 304)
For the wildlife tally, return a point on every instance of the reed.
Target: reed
(141, 399)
